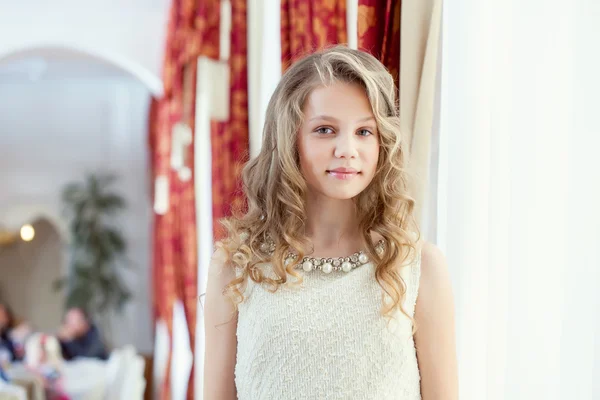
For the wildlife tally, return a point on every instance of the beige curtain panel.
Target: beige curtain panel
(419, 43)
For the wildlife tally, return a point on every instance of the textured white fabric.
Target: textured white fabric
(327, 340)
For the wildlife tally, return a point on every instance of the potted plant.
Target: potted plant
(97, 248)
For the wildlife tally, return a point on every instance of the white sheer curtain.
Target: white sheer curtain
(518, 196)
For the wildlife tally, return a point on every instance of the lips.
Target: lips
(343, 173)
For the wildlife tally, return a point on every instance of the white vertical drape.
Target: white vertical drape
(212, 103)
(181, 354)
(518, 197)
(264, 64)
(162, 344)
(204, 221)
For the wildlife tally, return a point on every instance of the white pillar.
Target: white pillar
(352, 23)
(204, 220)
(264, 64)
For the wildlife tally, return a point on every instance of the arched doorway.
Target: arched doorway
(37, 61)
(68, 112)
(34, 264)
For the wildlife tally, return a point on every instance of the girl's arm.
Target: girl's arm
(435, 337)
(220, 324)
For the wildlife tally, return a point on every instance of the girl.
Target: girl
(322, 288)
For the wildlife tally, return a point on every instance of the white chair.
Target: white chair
(85, 379)
(114, 376)
(135, 384)
(125, 375)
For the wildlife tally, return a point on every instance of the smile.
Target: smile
(343, 173)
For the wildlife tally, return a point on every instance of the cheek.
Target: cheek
(313, 157)
(303, 150)
(303, 157)
(372, 156)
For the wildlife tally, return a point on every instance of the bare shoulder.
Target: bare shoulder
(219, 258)
(435, 288)
(220, 266)
(217, 306)
(434, 268)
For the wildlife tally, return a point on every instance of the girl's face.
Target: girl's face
(338, 142)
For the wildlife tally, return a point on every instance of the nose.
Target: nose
(346, 146)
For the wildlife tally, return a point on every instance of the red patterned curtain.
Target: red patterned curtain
(379, 32)
(229, 140)
(193, 31)
(309, 25)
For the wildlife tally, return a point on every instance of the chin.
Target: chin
(342, 194)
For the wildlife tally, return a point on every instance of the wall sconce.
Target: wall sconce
(27, 233)
(8, 237)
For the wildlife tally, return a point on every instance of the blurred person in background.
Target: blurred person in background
(7, 323)
(13, 334)
(79, 337)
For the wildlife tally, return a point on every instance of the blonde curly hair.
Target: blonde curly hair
(275, 188)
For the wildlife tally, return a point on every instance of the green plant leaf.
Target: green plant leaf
(59, 284)
(114, 240)
(110, 203)
(98, 250)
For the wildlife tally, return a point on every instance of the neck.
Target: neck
(332, 225)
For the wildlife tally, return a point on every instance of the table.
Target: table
(33, 387)
(12, 392)
(84, 379)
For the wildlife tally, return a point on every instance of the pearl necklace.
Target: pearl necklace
(328, 265)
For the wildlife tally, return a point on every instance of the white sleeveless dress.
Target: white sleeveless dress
(327, 340)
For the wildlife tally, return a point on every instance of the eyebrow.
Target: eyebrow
(333, 119)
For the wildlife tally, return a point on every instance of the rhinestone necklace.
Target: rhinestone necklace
(328, 265)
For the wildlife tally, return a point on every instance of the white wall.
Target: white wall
(131, 33)
(53, 132)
